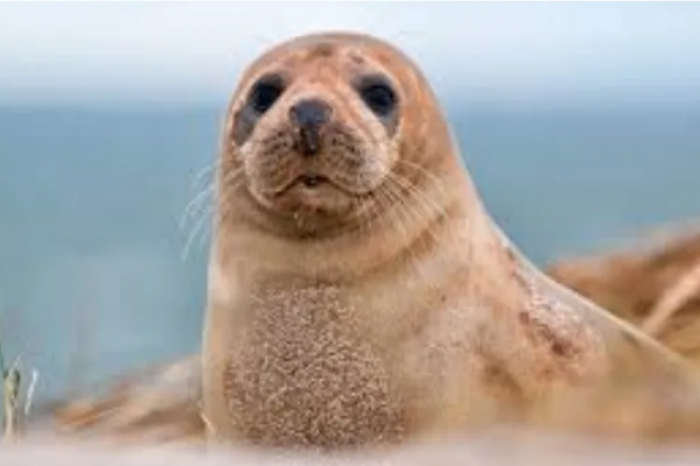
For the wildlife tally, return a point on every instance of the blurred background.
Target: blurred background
(580, 123)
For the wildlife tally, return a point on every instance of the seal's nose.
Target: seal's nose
(309, 116)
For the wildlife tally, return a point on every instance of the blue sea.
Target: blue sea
(92, 276)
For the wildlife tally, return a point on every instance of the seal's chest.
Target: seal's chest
(301, 375)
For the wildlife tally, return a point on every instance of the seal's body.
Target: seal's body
(358, 291)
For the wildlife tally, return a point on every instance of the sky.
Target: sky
(170, 52)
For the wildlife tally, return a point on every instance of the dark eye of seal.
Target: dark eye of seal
(265, 93)
(378, 95)
(261, 98)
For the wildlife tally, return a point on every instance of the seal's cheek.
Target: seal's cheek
(244, 121)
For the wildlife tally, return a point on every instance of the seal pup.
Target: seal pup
(358, 291)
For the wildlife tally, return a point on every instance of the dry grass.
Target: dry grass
(11, 381)
(159, 405)
(653, 285)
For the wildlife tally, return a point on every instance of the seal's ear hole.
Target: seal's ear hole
(378, 94)
(265, 93)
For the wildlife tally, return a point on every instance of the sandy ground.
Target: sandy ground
(494, 450)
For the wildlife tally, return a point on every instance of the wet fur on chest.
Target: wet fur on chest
(303, 375)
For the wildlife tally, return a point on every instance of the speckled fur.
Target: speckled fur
(303, 375)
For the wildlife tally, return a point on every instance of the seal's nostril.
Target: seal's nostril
(310, 114)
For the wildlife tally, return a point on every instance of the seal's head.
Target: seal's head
(323, 130)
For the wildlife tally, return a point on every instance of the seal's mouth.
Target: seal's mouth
(308, 195)
(308, 182)
(311, 181)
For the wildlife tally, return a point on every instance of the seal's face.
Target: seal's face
(317, 127)
(314, 127)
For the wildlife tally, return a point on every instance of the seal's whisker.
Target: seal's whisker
(200, 227)
(383, 205)
(207, 170)
(417, 216)
(196, 202)
(208, 193)
(362, 222)
(429, 206)
(230, 181)
(431, 177)
(436, 206)
(437, 182)
(404, 223)
(224, 203)
(193, 235)
(233, 176)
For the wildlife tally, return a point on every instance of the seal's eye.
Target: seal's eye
(265, 93)
(377, 93)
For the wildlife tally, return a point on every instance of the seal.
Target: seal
(358, 291)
